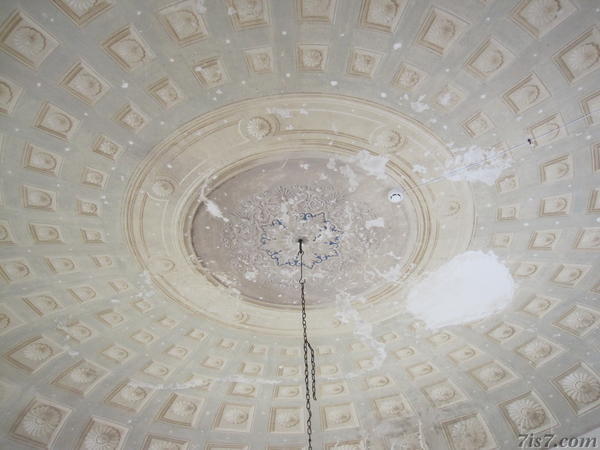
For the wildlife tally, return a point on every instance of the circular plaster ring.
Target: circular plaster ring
(212, 147)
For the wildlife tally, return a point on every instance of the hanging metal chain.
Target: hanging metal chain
(307, 347)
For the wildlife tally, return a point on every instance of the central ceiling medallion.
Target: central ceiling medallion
(351, 234)
(214, 213)
(315, 230)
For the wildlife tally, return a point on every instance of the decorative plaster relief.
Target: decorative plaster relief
(107, 147)
(538, 351)
(492, 375)
(538, 17)
(421, 370)
(489, 59)
(178, 351)
(408, 77)
(143, 306)
(501, 240)
(33, 354)
(83, 293)
(440, 30)
(8, 320)
(80, 378)
(526, 94)
(92, 236)
(466, 353)
(580, 386)
(544, 240)
(128, 49)
(246, 14)
(316, 10)
(443, 394)
(548, 130)
(183, 22)
(579, 320)
(45, 234)
(117, 353)
(590, 106)
(15, 270)
(110, 318)
(9, 95)
(468, 432)
(154, 442)
(101, 434)
(333, 389)
(336, 417)
(560, 168)
(588, 239)
(181, 410)
(286, 420)
(166, 92)
(56, 122)
(129, 396)
(581, 57)
(143, 337)
(87, 208)
(211, 72)
(539, 306)
(594, 201)
(42, 161)
(131, 117)
(83, 11)
(234, 417)
(363, 63)
(556, 205)
(509, 212)
(507, 183)
(6, 235)
(311, 57)
(37, 198)
(478, 124)
(93, 177)
(259, 60)
(504, 331)
(84, 83)
(394, 406)
(79, 331)
(569, 275)
(24, 39)
(527, 414)
(157, 370)
(381, 15)
(39, 423)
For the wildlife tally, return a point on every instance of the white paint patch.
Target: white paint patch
(281, 112)
(214, 210)
(351, 177)
(419, 106)
(476, 164)
(373, 165)
(417, 168)
(200, 7)
(397, 45)
(471, 286)
(445, 99)
(375, 223)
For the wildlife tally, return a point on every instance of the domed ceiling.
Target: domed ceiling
(160, 161)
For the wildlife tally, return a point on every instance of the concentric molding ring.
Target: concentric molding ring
(157, 212)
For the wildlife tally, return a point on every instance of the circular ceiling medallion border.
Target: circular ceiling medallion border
(157, 205)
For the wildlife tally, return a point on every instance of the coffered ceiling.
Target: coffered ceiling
(159, 161)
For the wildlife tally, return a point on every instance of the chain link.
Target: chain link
(307, 347)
